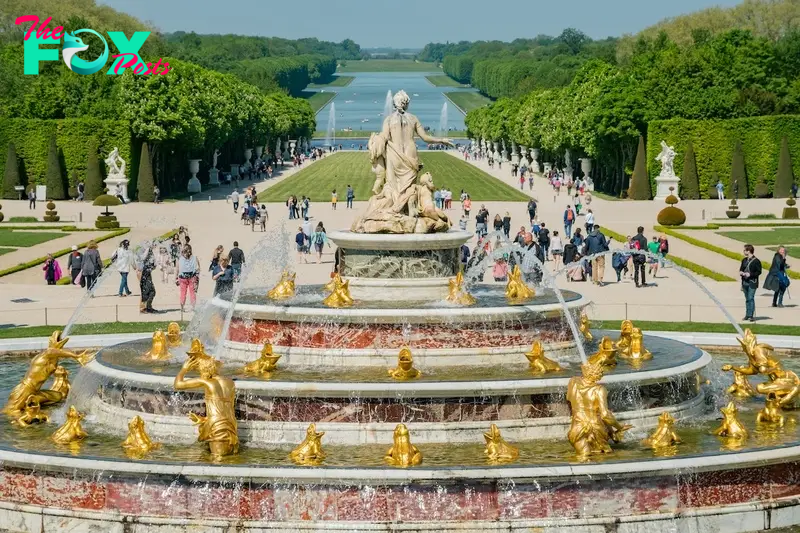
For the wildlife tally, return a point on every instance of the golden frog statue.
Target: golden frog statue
(403, 453)
(771, 413)
(741, 387)
(731, 427)
(539, 364)
(138, 442)
(606, 354)
(516, 289)
(405, 366)
(760, 357)
(497, 450)
(309, 452)
(635, 350)
(457, 293)
(159, 348)
(174, 336)
(340, 293)
(219, 427)
(625, 332)
(61, 381)
(71, 431)
(784, 384)
(285, 288)
(585, 327)
(41, 368)
(664, 435)
(32, 415)
(593, 424)
(266, 364)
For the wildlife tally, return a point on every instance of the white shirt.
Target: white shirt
(556, 244)
(124, 260)
(234, 196)
(590, 218)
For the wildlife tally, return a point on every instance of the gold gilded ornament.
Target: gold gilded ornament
(61, 381)
(606, 355)
(285, 288)
(309, 452)
(741, 387)
(457, 293)
(731, 427)
(664, 435)
(403, 454)
(585, 328)
(771, 413)
(71, 431)
(138, 442)
(539, 364)
(340, 293)
(405, 366)
(174, 336)
(266, 364)
(625, 332)
(635, 351)
(516, 289)
(32, 415)
(497, 450)
(159, 347)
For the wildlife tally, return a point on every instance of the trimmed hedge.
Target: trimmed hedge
(714, 141)
(73, 137)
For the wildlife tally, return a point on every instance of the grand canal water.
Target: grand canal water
(359, 106)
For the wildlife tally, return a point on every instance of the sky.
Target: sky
(408, 23)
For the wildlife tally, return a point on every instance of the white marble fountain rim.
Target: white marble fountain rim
(421, 388)
(410, 241)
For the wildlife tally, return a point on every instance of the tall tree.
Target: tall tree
(11, 176)
(54, 176)
(785, 177)
(690, 184)
(94, 186)
(144, 184)
(640, 181)
(738, 187)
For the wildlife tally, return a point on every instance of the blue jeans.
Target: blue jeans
(568, 230)
(237, 270)
(749, 301)
(123, 283)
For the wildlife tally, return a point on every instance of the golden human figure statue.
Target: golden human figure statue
(32, 415)
(218, 427)
(457, 293)
(635, 350)
(403, 453)
(265, 365)
(71, 431)
(664, 435)
(340, 292)
(771, 413)
(516, 290)
(138, 442)
(784, 384)
(625, 332)
(539, 364)
(731, 427)
(405, 366)
(585, 327)
(741, 387)
(497, 450)
(309, 452)
(174, 336)
(159, 348)
(61, 381)
(285, 288)
(41, 368)
(593, 424)
(606, 354)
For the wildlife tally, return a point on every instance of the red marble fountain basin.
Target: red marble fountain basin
(731, 493)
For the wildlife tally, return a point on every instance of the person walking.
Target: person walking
(480, 224)
(222, 276)
(235, 200)
(146, 285)
(532, 210)
(252, 215)
(749, 271)
(569, 220)
(236, 260)
(639, 242)
(544, 240)
(507, 225)
(164, 264)
(720, 190)
(91, 266)
(654, 247)
(466, 204)
(188, 276)
(300, 242)
(596, 243)
(497, 223)
(123, 260)
(263, 217)
(74, 263)
(52, 270)
(465, 254)
(777, 279)
(319, 239)
(589, 221)
(81, 189)
(215, 258)
(577, 238)
(350, 197)
(334, 199)
(557, 249)
(31, 198)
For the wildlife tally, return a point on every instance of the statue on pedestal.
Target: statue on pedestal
(666, 180)
(116, 173)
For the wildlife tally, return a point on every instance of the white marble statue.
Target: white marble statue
(217, 153)
(666, 182)
(116, 165)
(667, 156)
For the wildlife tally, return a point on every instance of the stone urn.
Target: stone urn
(194, 185)
(259, 151)
(248, 154)
(535, 168)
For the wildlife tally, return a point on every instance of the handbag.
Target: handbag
(783, 280)
(77, 280)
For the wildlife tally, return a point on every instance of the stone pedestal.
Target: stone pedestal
(535, 168)
(213, 176)
(663, 184)
(194, 185)
(111, 184)
(234, 172)
(548, 167)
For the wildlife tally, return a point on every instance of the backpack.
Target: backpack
(570, 215)
(664, 247)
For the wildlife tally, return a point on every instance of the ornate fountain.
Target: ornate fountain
(399, 398)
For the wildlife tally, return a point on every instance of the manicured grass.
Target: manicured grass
(25, 239)
(318, 100)
(86, 329)
(338, 81)
(467, 101)
(700, 327)
(444, 81)
(4, 251)
(338, 170)
(388, 65)
(766, 237)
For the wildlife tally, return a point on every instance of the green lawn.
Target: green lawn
(318, 100)
(25, 239)
(770, 237)
(701, 327)
(23, 219)
(444, 81)
(467, 101)
(339, 170)
(388, 65)
(338, 81)
(4, 251)
(101, 328)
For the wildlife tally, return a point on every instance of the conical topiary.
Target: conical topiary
(671, 215)
(106, 220)
(55, 180)
(738, 187)
(790, 211)
(11, 176)
(94, 179)
(640, 181)
(144, 185)
(785, 177)
(762, 189)
(690, 184)
(51, 215)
